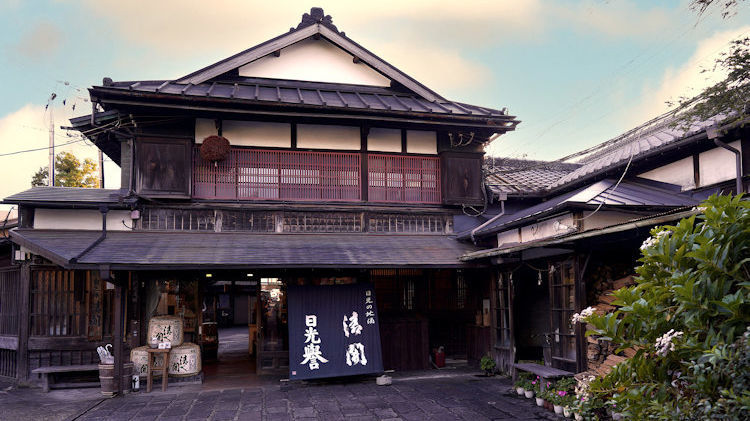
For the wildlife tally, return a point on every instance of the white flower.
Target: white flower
(582, 387)
(652, 241)
(664, 344)
(580, 317)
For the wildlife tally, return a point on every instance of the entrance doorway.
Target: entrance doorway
(229, 328)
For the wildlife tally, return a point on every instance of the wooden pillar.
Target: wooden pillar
(22, 351)
(363, 163)
(119, 319)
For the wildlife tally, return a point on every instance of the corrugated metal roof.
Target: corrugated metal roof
(66, 194)
(190, 249)
(343, 96)
(522, 177)
(627, 194)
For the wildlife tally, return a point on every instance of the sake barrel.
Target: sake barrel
(139, 357)
(166, 329)
(184, 360)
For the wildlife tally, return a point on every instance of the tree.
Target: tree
(729, 6)
(40, 178)
(688, 317)
(730, 97)
(69, 172)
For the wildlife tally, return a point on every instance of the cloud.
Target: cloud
(688, 79)
(611, 19)
(42, 39)
(419, 36)
(28, 128)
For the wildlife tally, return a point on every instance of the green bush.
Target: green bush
(487, 364)
(687, 317)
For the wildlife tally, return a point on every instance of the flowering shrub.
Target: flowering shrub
(687, 317)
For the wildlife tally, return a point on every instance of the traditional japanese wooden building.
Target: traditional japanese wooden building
(339, 169)
(568, 234)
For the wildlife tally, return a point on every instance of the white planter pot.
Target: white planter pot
(539, 402)
(519, 390)
(567, 412)
(558, 409)
(579, 417)
(529, 394)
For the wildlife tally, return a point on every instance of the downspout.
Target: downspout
(103, 210)
(489, 221)
(713, 134)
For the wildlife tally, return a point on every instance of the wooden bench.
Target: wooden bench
(545, 373)
(47, 372)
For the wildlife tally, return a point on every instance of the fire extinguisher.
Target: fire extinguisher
(439, 357)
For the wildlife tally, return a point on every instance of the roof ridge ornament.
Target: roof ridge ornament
(317, 15)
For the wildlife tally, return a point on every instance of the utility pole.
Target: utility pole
(51, 171)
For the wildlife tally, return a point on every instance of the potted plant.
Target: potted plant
(557, 400)
(520, 383)
(487, 364)
(536, 385)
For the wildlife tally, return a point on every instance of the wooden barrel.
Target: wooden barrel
(166, 329)
(107, 378)
(139, 357)
(185, 360)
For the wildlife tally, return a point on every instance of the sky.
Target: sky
(576, 73)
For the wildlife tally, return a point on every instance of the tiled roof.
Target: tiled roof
(66, 195)
(189, 249)
(627, 194)
(522, 177)
(660, 133)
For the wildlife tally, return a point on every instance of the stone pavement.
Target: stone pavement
(421, 396)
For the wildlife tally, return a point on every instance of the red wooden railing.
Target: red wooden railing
(406, 179)
(278, 175)
(252, 174)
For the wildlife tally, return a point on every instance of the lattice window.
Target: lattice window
(437, 224)
(279, 175)
(322, 222)
(57, 303)
(562, 293)
(461, 290)
(9, 299)
(398, 178)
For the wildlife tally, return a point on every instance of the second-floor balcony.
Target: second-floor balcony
(253, 174)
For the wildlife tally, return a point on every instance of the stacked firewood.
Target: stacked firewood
(600, 354)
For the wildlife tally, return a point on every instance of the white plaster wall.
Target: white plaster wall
(420, 141)
(384, 140)
(247, 133)
(603, 219)
(316, 61)
(508, 237)
(548, 228)
(717, 165)
(679, 173)
(80, 219)
(315, 136)
(204, 127)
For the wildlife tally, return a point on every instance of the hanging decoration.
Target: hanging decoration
(214, 148)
